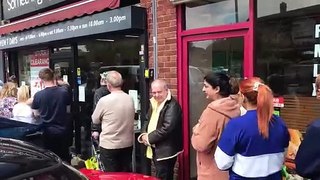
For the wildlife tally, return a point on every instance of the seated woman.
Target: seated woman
(22, 111)
(8, 99)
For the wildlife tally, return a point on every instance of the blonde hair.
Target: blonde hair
(23, 93)
(9, 89)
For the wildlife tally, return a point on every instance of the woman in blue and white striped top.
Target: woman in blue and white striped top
(252, 146)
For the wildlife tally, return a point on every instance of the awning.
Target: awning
(70, 11)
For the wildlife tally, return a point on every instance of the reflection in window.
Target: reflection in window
(272, 7)
(220, 55)
(285, 58)
(203, 13)
(101, 55)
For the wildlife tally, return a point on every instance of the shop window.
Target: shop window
(285, 43)
(202, 13)
(97, 56)
(30, 63)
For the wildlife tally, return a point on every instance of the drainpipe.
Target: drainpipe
(155, 38)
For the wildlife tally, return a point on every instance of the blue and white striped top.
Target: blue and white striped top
(246, 154)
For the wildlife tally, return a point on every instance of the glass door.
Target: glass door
(221, 52)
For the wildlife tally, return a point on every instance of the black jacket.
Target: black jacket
(308, 156)
(167, 138)
(98, 94)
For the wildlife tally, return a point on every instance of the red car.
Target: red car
(99, 175)
(22, 160)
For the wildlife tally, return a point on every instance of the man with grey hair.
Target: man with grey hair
(115, 113)
(162, 133)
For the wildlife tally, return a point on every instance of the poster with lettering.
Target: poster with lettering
(39, 60)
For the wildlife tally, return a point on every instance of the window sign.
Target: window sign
(39, 60)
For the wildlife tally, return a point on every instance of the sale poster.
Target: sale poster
(38, 61)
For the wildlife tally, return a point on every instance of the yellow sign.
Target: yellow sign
(146, 73)
(78, 72)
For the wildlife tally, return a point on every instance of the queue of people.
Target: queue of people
(47, 109)
(237, 135)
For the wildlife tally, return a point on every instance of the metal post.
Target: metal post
(155, 38)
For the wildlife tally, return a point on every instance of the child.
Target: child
(22, 111)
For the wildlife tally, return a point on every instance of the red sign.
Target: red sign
(278, 102)
(40, 58)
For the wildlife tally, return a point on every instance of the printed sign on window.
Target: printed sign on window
(39, 60)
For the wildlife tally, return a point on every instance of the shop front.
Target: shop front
(277, 41)
(80, 47)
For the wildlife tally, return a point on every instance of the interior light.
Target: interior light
(105, 40)
(131, 36)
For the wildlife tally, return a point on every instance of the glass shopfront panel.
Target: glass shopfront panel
(30, 63)
(96, 56)
(218, 55)
(285, 51)
(199, 14)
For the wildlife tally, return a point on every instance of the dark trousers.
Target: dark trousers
(58, 145)
(165, 168)
(116, 160)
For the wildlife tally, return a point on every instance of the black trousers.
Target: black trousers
(165, 168)
(58, 145)
(116, 160)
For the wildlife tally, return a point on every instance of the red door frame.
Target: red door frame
(244, 29)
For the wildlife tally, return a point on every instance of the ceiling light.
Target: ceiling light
(105, 40)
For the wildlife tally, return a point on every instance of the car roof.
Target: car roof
(22, 158)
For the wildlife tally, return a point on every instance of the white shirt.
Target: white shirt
(23, 112)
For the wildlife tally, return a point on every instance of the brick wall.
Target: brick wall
(167, 41)
(167, 46)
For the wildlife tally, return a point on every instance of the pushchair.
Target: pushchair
(10, 128)
(94, 161)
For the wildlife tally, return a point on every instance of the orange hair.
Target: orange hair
(259, 94)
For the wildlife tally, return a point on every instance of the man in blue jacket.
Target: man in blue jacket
(308, 156)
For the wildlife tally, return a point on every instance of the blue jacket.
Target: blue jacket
(308, 156)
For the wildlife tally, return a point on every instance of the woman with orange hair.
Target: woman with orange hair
(8, 99)
(252, 146)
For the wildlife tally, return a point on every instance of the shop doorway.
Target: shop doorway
(63, 64)
(218, 52)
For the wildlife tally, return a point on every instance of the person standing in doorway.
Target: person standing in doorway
(162, 134)
(115, 113)
(102, 90)
(50, 104)
(207, 131)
